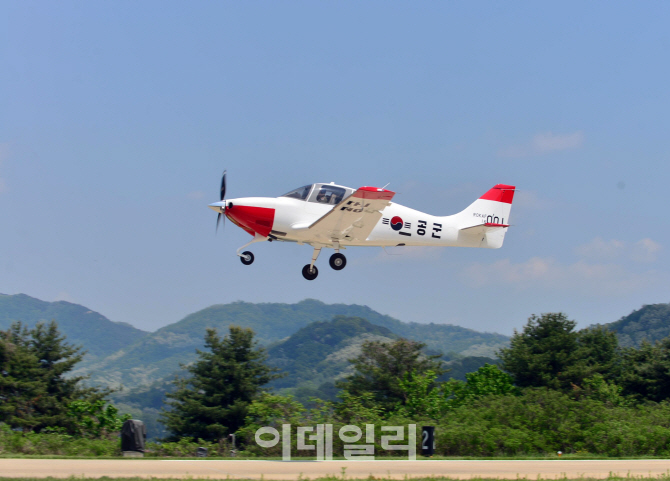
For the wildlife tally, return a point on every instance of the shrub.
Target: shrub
(15, 442)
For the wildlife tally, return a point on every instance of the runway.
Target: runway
(278, 470)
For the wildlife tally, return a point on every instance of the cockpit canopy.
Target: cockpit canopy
(329, 194)
(300, 193)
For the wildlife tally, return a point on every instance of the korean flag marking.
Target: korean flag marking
(396, 223)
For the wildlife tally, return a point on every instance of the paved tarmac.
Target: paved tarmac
(278, 470)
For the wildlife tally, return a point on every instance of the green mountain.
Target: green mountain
(318, 354)
(159, 354)
(651, 323)
(99, 336)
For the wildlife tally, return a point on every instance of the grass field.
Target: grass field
(581, 456)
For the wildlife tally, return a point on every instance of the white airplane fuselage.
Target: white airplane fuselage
(289, 219)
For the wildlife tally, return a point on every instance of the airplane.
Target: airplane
(334, 216)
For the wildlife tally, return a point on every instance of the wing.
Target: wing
(354, 217)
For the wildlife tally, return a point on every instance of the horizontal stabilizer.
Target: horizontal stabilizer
(485, 226)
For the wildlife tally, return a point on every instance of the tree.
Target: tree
(646, 371)
(57, 359)
(223, 382)
(381, 367)
(270, 410)
(488, 380)
(423, 396)
(549, 352)
(20, 383)
(426, 398)
(600, 389)
(599, 353)
(95, 420)
(38, 388)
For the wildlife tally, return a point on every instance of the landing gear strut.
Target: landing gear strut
(310, 271)
(338, 261)
(247, 257)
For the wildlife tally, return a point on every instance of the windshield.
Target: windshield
(300, 193)
(327, 194)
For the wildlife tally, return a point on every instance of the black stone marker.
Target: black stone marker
(427, 440)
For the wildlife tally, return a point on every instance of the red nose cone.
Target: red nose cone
(252, 219)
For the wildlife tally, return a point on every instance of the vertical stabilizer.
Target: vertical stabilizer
(485, 221)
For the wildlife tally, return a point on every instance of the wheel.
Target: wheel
(247, 258)
(310, 275)
(338, 261)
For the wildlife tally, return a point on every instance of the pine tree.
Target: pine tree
(57, 359)
(36, 390)
(550, 353)
(646, 371)
(223, 382)
(21, 386)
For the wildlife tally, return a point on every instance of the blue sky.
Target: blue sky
(117, 119)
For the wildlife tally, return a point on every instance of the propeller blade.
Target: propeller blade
(223, 186)
(221, 205)
(221, 219)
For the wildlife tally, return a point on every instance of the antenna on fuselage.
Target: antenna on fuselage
(386, 186)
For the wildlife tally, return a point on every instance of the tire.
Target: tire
(247, 258)
(338, 261)
(310, 276)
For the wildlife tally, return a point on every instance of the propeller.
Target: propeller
(223, 195)
(223, 186)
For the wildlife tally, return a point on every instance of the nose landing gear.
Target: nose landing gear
(247, 258)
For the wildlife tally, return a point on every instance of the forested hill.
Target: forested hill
(651, 323)
(319, 353)
(99, 336)
(159, 354)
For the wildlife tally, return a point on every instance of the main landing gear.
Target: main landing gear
(310, 272)
(337, 262)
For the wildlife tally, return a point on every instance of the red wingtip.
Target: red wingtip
(500, 193)
(374, 193)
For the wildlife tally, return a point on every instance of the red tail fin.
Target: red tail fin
(500, 193)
